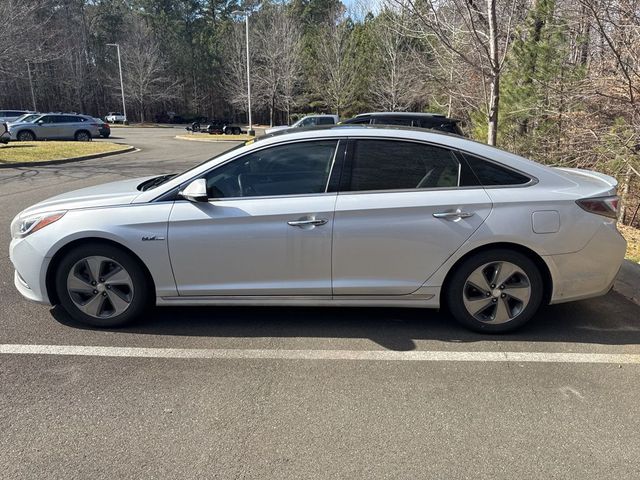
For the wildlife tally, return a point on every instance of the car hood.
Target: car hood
(106, 195)
(276, 129)
(18, 124)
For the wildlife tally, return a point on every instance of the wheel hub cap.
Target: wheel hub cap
(496, 292)
(100, 287)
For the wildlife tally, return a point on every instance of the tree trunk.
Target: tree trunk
(494, 95)
(494, 104)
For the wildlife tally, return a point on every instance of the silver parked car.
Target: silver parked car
(7, 116)
(305, 122)
(349, 216)
(55, 126)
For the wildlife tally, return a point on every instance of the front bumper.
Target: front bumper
(30, 270)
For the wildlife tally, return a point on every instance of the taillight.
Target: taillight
(607, 206)
(106, 125)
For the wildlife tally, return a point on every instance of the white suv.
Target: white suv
(115, 117)
(308, 121)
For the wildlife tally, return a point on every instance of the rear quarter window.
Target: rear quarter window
(490, 174)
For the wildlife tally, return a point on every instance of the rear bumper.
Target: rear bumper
(591, 271)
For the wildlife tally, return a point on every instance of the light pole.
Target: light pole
(33, 95)
(246, 23)
(124, 107)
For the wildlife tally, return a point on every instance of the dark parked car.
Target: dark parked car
(434, 121)
(215, 127)
(103, 127)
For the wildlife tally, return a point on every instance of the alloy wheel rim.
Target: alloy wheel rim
(496, 292)
(100, 287)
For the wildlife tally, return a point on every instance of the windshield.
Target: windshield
(27, 117)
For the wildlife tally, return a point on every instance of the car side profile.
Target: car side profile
(8, 116)
(306, 122)
(55, 126)
(433, 121)
(343, 216)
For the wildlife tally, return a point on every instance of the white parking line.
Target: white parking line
(360, 355)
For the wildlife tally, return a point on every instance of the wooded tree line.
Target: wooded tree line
(554, 80)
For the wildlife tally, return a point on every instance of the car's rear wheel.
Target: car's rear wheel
(495, 291)
(105, 135)
(102, 285)
(82, 136)
(26, 136)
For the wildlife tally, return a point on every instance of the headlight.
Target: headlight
(23, 226)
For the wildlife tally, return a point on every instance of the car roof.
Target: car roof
(402, 114)
(382, 132)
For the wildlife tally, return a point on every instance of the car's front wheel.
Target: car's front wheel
(26, 136)
(495, 291)
(102, 285)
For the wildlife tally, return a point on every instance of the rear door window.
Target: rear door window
(395, 165)
(326, 121)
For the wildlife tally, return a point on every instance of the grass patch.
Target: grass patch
(632, 235)
(205, 137)
(18, 152)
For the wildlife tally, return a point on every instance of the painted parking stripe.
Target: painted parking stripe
(359, 355)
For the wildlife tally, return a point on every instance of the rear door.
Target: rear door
(400, 214)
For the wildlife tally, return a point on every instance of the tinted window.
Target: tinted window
(392, 121)
(325, 121)
(293, 169)
(358, 121)
(307, 122)
(391, 165)
(490, 174)
(48, 119)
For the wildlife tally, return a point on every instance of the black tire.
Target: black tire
(26, 136)
(140, 296)
(105, 135)
(82, 136)
(455, 295)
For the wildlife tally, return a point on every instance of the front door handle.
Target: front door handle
(308, 222)
(453, 215)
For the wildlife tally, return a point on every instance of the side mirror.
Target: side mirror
(196, 191)
(40, 122)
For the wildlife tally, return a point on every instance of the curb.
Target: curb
(627, 282)
(66, 160)
(184, 137)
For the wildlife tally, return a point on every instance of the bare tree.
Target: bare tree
(144, 70)
(277, 46)
(398, 82)
(334, 76)
(478, 34)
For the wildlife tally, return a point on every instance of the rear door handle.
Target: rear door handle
(453, 215)
(306, 222)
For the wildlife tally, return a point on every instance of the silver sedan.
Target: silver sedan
(344, 216)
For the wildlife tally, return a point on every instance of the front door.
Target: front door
(266, 229)
(399, 215)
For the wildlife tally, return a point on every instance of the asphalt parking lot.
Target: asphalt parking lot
(299, 392)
